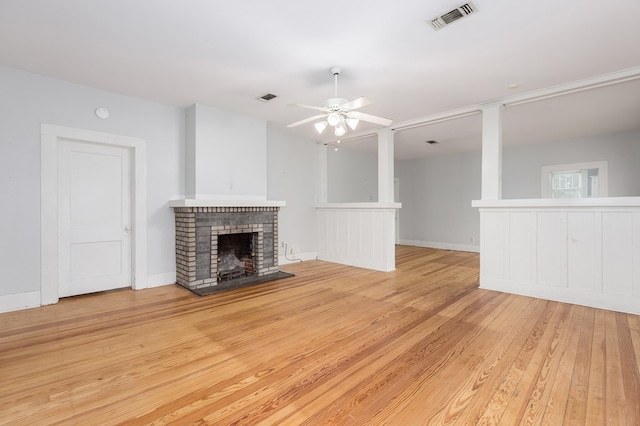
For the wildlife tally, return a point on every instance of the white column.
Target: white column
(385, 166)
(323, 176)
(492, 152)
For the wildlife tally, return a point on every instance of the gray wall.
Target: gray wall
(521, 164)
(436, 192)
(352, 176)
(292, 176)
(29, 99)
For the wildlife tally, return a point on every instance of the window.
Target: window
(579, 180)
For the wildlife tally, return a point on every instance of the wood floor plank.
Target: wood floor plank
(558, 395)
(475, 367)
(540, 392)
(629, 363)
(332, 345)
(509, 402)
(596, 395)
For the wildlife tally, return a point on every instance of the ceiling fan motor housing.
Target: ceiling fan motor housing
(333, 104)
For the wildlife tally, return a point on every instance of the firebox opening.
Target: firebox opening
(236, 256)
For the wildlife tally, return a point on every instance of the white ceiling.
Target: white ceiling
(227, 54)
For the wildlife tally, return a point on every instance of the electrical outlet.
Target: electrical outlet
(283, 244)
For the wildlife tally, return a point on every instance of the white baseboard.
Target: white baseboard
(19, 301)
(159, 280)
(442, 246)
(16, 302)
(282, 260)
(612, 302)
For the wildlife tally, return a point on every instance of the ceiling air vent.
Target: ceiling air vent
(267, 97)
(450, 17)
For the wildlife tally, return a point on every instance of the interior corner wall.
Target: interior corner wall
(190, 150)
(352, 176)
(27, 101)
(436, 194)
(229, 154)
(521, 164)
(293, 169)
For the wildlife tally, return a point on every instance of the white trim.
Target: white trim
(51, 135)
(557, 202)
(211, 202)
(441, 246)
(19, 301)
(603, 80)
(359, 206)
(162, 279)
(603, 175)
(217, 197)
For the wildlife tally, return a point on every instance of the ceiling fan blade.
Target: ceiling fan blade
(308, 107)
(307, 120)
(370, 118)
(356, 103)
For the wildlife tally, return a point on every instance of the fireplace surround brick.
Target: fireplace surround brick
(197, 231)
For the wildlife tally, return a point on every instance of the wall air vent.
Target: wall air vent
(451, 16)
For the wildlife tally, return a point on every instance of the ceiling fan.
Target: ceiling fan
(339, 113)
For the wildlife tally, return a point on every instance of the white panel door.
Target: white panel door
(94, 218)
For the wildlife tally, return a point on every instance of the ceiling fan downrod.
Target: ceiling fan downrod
(336, 72)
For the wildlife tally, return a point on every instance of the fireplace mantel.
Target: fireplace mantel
(197, 202)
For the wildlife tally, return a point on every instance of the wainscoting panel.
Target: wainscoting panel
(358, 234)
(551, 256)
(585, 252)
(581, 250)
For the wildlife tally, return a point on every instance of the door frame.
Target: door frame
(50, 138)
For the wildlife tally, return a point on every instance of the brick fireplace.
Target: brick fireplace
(219, 244)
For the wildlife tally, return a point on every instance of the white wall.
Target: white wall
(352, 176)
(226, 154)
(292, 166)
(521, 164)
(27, 100)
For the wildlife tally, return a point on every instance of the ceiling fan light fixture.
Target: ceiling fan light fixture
(320, 126)
(333, 119)
(339, 130)
(352, 123)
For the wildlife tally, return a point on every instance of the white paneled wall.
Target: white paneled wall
(358, 234)
(585, 252)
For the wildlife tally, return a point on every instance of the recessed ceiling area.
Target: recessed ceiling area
(609, 109)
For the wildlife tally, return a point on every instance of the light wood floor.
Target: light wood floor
(334, 345)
